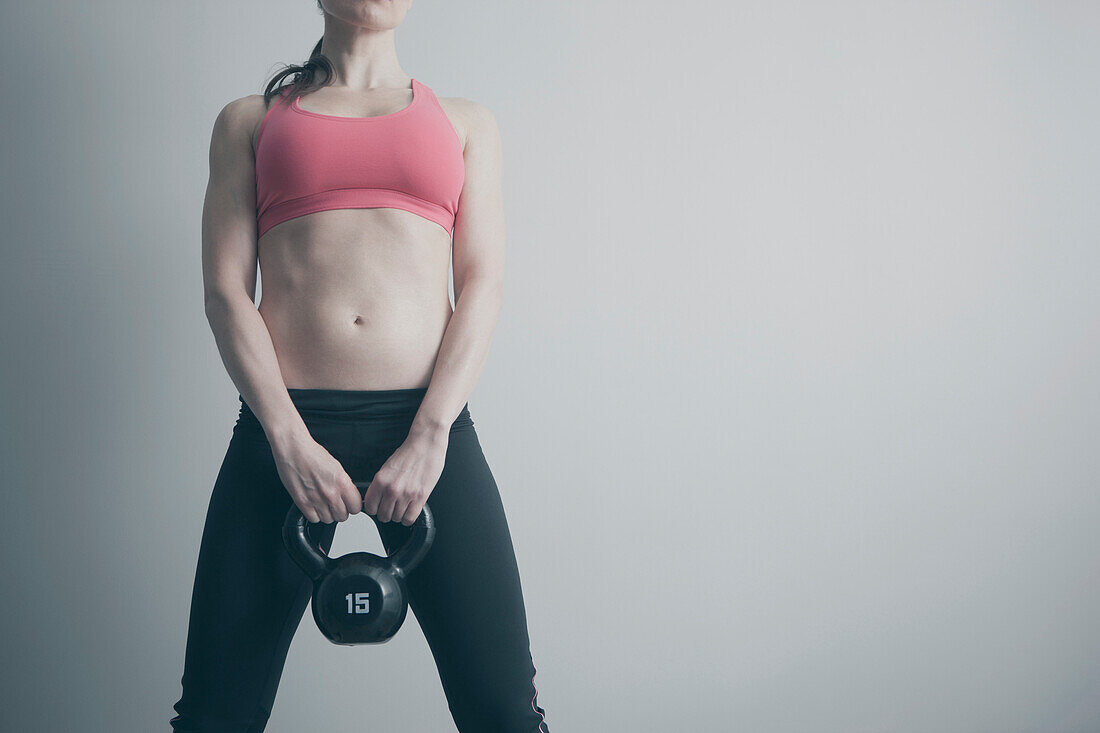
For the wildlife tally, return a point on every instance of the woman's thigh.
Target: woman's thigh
(248, 596)
(467, 597)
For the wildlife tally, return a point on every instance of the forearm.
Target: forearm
(249, 357)
(461, 359)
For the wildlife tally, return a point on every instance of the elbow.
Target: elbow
(217, 303)
(213, 304)
(486, 291)
(491, 294)
(495, 294)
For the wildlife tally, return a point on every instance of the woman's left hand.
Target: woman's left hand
(401, 487)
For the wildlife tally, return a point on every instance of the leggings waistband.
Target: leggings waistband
(353, 404)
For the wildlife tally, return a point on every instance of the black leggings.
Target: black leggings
(249, 596)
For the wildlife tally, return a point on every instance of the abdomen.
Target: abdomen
(355, 298)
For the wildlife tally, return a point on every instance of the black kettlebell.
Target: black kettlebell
(358, 598)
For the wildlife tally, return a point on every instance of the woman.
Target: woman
(347, 181)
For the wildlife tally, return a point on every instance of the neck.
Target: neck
(363, 58)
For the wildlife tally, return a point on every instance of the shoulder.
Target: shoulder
(243, 111)
(475, 121)
(240, 118)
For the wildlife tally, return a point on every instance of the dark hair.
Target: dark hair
(305, 76)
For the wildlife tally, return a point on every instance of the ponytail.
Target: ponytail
(316, 72)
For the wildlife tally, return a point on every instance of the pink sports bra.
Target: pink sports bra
(308, 162)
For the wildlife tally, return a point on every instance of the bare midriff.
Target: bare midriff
(355, 298)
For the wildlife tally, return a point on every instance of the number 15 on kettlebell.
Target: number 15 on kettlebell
(358, 598)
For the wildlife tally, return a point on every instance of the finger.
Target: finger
(305, 506)
(337, 509)
(353, 500)
(371, 497)
(412, 512)
(334, 497)
(323, 515)
(385, 507)
(400, 509)
(310, 514)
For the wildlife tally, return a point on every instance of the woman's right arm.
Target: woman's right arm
(314, 479)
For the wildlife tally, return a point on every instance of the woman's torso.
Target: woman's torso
(354, 298)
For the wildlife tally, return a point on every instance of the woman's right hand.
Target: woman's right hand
(318, 484)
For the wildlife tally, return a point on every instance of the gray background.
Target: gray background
(793, 403)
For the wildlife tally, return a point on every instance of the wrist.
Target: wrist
(429, 431)
(284, 435)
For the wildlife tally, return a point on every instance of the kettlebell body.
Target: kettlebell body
(358, 598)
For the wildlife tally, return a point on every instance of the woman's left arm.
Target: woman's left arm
(401, 487)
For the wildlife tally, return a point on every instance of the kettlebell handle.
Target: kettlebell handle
(316, 563)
